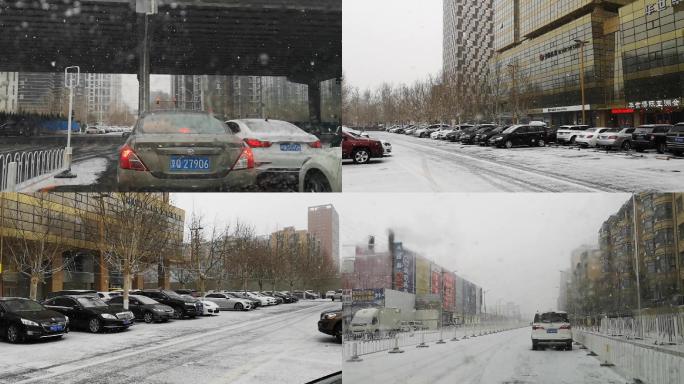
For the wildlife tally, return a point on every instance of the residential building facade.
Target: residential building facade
(9, 84)
(324, 224)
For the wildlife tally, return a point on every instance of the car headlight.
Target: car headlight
(29, 323)
(108, 316)
(67, 319)
(497, 139)
(189, 304)
(330, 316)
(158, 309)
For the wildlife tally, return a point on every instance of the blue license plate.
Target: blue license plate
(56, 328)
(189, 163)
(126, 322)
(551, 330)
(292, 147)
(679, 139)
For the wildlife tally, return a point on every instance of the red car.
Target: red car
(360, 149)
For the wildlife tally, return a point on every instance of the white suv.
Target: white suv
(553, 329)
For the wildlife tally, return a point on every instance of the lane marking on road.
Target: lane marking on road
(98, 361)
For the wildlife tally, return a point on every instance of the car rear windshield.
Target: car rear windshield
(551, 317)
(23, 305)
(643, 130)
(181, 123)
(273, 126)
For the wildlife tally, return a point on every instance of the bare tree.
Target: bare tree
(38, 238)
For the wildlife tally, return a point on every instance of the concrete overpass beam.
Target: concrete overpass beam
(144, 37)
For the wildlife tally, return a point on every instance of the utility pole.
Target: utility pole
(581, 46)
(68, 151)
(636, 260)
(194, 248)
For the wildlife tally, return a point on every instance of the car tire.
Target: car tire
(148, 317)
(535, 346)
(541, 143)
(316, 182)
(661, 148)
(94, 325)
(568, 346)
(626, 146)
(361, 156)
(508, 144)
(177, 313)
(13, 334)
(238, 307)
(572, 140)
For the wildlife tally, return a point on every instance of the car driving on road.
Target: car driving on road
(145, 308)
(360, 149)
(184, 151)
(90, 313)
(22, 319)
(551, 329)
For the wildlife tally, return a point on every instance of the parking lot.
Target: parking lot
(271, 344)
(426, 165)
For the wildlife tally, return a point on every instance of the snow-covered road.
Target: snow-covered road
(274, 344)
(499, 358)
(425, 165)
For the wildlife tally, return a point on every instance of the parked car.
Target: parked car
(551, 134)
(22, 319)
(182, 306)
(208, 307)
(95, 130)
(291, 297)
(337, 295)
(519, 135)
(675, 140)
(269, 299)
(331, 324)
(360, 149)
(616, 138)
(184, 150)
(589, 138)
(312, 294)
(455, 133)
(482, 139)
(90, 313)
(145, 308)
(280, 148)
(240, 295)
(280, 296)
(387, 147)
(429, 130)
(468, 135)
(189, 292)
(650, 136)
(567, 134)
(553, 329)
(106, 296)
(65, 292)
(227, 302)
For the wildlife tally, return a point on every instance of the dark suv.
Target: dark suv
(331, 324)
(182, 307)
(145, 308)
(519, 135)
(90, 313)
(360, 149)
(22, 319)
(650, 136)
(675, 140)
(468, 135)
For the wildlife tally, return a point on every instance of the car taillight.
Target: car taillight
(315, 144)
(256, 143)
(652, 137)
(129, 160)
(535, 327)
(246, 159)
(565, 326)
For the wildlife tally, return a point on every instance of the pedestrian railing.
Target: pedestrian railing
(366, 344)
(19, 167)
(654, 329)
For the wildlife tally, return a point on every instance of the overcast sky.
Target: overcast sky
(513, 244)
(393, 41)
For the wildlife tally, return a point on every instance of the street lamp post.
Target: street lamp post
(581, 45)
(68, 151)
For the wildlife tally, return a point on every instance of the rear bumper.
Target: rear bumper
(608, 143)
(137, 180)
(675, 146)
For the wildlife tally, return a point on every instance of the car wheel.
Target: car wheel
(177, 313)
(13, 334)
(317, 183)
(572, 140)
(148, 317)
(639, 150)
(361, 156)
(509, 144)
(661, 148)
(541, 143)
(94, 325)
(568, 346)
(238, 306)
(626, 146)
(535, 346)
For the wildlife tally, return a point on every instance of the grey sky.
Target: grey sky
(129, 84)
(512, 244)
(393, 41)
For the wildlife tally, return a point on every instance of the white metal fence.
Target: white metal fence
(357, 347)
(19, 167)
(666, 329)
(635, 359)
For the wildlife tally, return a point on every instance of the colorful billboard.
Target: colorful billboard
(436, 279)
(368, 297)
(422, 276)
(404, 269)
(448, 292)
